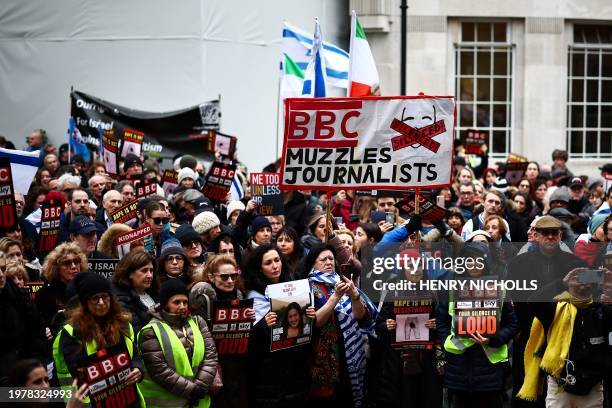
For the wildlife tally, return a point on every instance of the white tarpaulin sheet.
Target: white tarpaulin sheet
(154, 56)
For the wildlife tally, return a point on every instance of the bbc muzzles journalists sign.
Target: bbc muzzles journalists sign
(369, 143)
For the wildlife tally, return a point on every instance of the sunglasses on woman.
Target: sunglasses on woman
(70, 262)
(226, 276)
(160, 220)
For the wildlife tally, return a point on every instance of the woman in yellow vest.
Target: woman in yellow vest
(178, 352)
(97, 324)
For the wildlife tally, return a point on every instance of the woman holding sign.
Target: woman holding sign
(99, 330)
(278, 378)
(224, 284)
(337, 372)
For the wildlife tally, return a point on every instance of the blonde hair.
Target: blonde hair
(14, 269)
(52, 261)
(107, 244)
(344, 231)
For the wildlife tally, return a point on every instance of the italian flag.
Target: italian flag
(363, 76)
(293, 79)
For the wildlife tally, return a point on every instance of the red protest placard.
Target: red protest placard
(110, 146)
(132, 142)
(124, 241)
(145, 188)
(105, 373)
(125, 213)
(476, 310)
(51, 212)
(32, 288)
(474, 140)
(169, 181)
(427, 209)
(222, 143)
(219, 180)
(231, 326)
(410, 317)
(8, 211)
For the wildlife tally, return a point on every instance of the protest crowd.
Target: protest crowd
(150, 283)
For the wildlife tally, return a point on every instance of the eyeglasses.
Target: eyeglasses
(159, 220)
(327, 258)
(547, 232)
(193, 243)
(174, 258)
(227, 276)
(129, 193)
(70, 262)
(68, 190)
(96, 299)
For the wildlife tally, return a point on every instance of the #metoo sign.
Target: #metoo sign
(369, 143)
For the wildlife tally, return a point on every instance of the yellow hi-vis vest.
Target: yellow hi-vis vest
(457, 345)
(176, 357)
(63, 374)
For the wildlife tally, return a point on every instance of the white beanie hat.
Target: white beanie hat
(233, 206)
(186, 172)
(205, 221)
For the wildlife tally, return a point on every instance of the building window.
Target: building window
(589, 92)
(483, 83)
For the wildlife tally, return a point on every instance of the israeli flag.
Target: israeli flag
(298, 45)
(236, 189)
(24, 166)
(315, 77)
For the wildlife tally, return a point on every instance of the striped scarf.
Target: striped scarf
(354, 349)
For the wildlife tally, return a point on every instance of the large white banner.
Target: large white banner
(372, 142)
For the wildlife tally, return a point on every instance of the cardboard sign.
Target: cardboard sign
(368, 143)
(144, 188)
(266, 191)
(410, 317)
(105, 373)
(474, 140)
(51, 213)
(125, 241)
(289, 301)
(169, 181)
(125, 214)
(224, 144)
(515, 168)
(476, 311)
(110, 146)
(231, 327)
(427, 209)
(103, 267)
(8, 211)
(32, 288)
(219, 180)
(132, 142)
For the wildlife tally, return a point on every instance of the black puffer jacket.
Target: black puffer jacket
(21, 330)
(130, 301)
(50, 299)
(278, 379)
(472, 371)
(155, 362)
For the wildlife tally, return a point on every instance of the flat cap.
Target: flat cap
(547, 222)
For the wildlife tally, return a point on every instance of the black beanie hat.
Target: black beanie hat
(88, 284)
(171, 287)
(186, 233)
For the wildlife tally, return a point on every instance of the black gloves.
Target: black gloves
(441, 226)
(415, 224)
